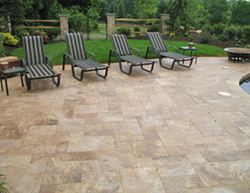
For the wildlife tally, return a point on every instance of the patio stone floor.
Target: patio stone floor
(165, 131)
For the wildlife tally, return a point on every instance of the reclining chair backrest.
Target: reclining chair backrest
(120, 44)
(33, 50)
(157, 41)
(75, 45)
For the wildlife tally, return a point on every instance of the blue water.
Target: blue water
(245, 83)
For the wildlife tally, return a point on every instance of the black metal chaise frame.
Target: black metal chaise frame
(159, 48)
(122, 51)
(77, 57)
(36, 63)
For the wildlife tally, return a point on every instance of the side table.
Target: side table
(184, 48)
(9, 72)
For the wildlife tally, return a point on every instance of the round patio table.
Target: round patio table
(238, 54)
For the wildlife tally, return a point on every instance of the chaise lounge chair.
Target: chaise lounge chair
(158, 47)
(77, 56)
(35, 61)
(122, 51)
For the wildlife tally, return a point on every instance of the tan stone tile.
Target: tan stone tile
(173, 159)
(175, 138)
(71, 188)
(23, 182)
(184, 169)
(91, 165)
(113, 160)
(148, 148)
(237, 141)
(150, 121)
(79, 142)
(173, 184)
(128, 132)
(123, 146)
(97, 181)
(63, 172)
(232, 188)
(37, 167)
(50, 188)
(216, 174)
(146, 162)
(141, 180)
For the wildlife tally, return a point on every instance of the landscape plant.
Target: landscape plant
(2, 184)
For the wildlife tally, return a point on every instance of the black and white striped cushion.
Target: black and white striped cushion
(157, 41)
(43, 70)
(33, 50)
(120, 44)
(75, 45)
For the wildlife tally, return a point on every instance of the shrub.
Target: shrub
(137, 29)
(238, 32)
(247, 46)
(154, 28)
(223, 37)
(205, 38)
(218, 28)
(207, 28)
(246, 33)
(124, 30)
(20, 32)
(2, 50)
(2, 184)
(190, 38)
(52, 33)
(8, 39)
(230, 31)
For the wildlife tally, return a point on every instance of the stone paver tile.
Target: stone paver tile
(231, 189)
(50, 188)
(184, 169)
(148, 149)
(98, 181)
(63, 172)
(128, 132)
(242, 169)
(180, 125)
(71, 188)
(113, 160)
(237, 141)
(182, 149)
(146, 162)
(8, 146)
(173, 159)
(24, 182)
(123, 146)
(173, 184)
(151, 121)
(141, 180)
(175, 138)
(79, 142)
(216, 174)
(217, 153)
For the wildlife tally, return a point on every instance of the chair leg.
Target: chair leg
(103, 76)
(63, 66)
(187, 66)
(28, 83)
(152, 67)
(57, 83)
(73, 73)
(130, 68)
(146, 56)
(169, 68)
(110, 53)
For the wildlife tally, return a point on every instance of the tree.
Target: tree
(241, 13)
(217, 10)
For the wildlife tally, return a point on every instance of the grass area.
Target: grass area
(101, 49)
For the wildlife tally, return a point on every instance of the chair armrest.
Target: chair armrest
(92, 55)
(116, 52)
(69, 56)
(50, 61)
(173, 47)
(139, 53)
(155, 49)
(24, 63)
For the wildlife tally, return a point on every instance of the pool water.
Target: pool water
(245, 83)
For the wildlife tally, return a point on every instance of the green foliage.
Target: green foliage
(136, 29)
(154, 28)
(238, 32)
(217, 10)
(2, 50)
(2, 184)
(247, 46)
(223, 37)
(8, 39)
(230, 31)
(145, 8)
(246, 33)
(125, 31)
(240, 13)
(52, 33)
(205, 37)
(218, 28)
(207, 28)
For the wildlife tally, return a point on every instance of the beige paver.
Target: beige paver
(165, 131)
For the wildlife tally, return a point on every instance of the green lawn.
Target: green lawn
(101, 49)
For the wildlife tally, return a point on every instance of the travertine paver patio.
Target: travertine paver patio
(168, 131)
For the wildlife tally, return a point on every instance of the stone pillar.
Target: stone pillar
(64, 26)
(164, 17)
(110, 24)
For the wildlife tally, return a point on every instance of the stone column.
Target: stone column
(110, 24)
(164, 17)
(64, 26)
